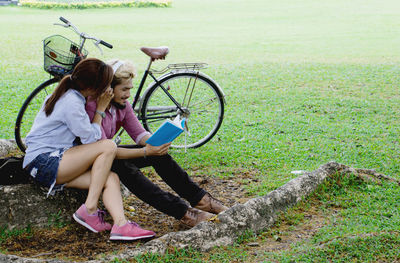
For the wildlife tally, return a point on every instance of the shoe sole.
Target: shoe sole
(129, 238)
(83, 223)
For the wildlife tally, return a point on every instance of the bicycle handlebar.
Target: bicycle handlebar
(84, 35)
(106, 44)
(64, 20)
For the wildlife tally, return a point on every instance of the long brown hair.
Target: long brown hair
(90, 74)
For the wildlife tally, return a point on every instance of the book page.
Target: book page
(177, 122)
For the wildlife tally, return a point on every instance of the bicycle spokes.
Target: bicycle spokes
(201, 105)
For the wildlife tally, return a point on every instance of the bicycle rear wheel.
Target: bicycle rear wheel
(30, 108)
(201, 101)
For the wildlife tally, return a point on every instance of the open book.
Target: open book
(167, 132)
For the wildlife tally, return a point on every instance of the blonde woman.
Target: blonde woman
(130, 159)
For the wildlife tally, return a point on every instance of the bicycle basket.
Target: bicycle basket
(61, 55)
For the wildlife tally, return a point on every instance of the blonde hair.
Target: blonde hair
(125, 70)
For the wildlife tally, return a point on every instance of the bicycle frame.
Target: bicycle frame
(139, 91)
(141, 85)
(81, 44)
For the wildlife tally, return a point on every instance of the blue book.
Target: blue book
(167, 132)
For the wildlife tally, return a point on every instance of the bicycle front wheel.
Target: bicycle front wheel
(201, 103)
(30, 108)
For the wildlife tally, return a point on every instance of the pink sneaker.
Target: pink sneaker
(130, 231)
(93, 222)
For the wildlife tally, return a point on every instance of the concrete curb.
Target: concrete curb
(7, 146)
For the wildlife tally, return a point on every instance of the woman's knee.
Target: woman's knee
(108, 146)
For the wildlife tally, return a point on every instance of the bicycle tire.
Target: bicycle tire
(30, 108)
(204, 116)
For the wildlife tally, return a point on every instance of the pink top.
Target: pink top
(115, 118)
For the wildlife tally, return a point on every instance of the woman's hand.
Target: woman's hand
(157, 150)
(105, 99)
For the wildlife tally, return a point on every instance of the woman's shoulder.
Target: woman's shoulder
(70, 101)
(72, 95)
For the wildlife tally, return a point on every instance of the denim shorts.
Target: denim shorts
(44, 169)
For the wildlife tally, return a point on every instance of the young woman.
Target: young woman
(63, 149)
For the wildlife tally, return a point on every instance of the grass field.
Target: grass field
(306, 82)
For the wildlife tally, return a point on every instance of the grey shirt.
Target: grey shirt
(59, 130)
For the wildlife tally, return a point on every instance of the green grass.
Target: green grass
(234, 254)
(306, 82)
(366, 229)
(6, 233)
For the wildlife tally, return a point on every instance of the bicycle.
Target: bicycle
(181, 89)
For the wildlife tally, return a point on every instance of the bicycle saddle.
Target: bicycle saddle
(155, 52)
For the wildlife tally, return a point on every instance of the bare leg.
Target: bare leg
(111, 195)
(76, 162)
(112, 199)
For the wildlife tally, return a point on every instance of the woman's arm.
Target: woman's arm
(77, 120)
(102, 103)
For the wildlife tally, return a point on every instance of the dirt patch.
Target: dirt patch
(74, 242)
(286, 232)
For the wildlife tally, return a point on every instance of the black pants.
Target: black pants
(130, 175)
